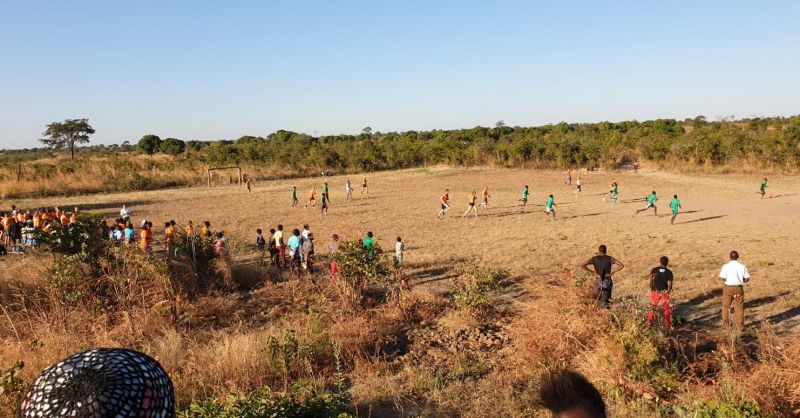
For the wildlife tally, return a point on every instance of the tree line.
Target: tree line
(771, 141)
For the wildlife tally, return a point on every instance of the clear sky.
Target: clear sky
(222, 69)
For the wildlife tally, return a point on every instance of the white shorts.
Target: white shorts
(548, 210)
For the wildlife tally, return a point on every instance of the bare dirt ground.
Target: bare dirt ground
(720, 213)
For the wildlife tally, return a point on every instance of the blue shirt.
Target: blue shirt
(294, 242)
(128, 233)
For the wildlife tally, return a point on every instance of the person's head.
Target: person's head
(219, 234)
(335, 237)
(369, 234)
(280, 227)
(296, 232)
(765, 179)
(664, 261)
(654, 192)
(172, 222)
(129, 226)
(272, 230)
(207, 224)
(149, 224)
(602, 249)
(675, 196)
(167, 224)
(399, 239)
(190, 222)
(258, 231)
(551, 196)
(526, 186)
(567, 394)
(734, 255)
(305, 226)
(123, 206)
(447, 190)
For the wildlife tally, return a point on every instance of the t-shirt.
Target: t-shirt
(651, 198)
(398, 248)
(734, 273)
(662, 276)
(294, 193)
(369, 243)
(294, 242)
(763, 186)
(277, 237)
(525, 193)
(129, 233)
(602, 264)
(675, 204)
(549, 202)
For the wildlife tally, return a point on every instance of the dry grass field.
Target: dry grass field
(720, 213)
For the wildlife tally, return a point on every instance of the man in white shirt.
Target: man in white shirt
(734, 274)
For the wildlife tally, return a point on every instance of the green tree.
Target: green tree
(60, 135)
(172, 146)
(149, 144)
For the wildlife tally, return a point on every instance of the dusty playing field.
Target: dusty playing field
(720, 213)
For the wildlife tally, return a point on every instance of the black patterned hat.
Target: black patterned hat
(101, 383)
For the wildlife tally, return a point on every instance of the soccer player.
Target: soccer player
(578, 186)
(325, 203)
(569, 178)
(549, 206)
(294, 196)
(445, 199)
(472, 200)
(651, 203)
(364, 188)
(675, 205)
(312, 198)
(524, 200)
(763, 189)
(660, 288)
(485, 196)
(348, 187)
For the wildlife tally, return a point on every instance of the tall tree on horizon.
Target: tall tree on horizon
(60, 135)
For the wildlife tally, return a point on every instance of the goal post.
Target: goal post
(235, 167)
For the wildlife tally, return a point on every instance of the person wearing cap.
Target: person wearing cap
(734, 275)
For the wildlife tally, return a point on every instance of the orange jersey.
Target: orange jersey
(146, 237)
(485, 193)
(169, 234)
(473, 198)
(37, 221)
(446, 197)
(189, 230)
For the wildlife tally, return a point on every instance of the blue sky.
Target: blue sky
(213, 70)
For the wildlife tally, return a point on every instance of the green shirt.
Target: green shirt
(294, 192)
(675, 204)
(651, 198)
(763, 186)
(525, 193)
(369, 244)
(549, 202)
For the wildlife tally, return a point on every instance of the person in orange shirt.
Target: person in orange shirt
(312, 198)
(37, 219)
(485, 196)
(146, 239)
(445, 199)
(64, 219)
(189, 229)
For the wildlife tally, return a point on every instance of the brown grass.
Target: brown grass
(419, 354)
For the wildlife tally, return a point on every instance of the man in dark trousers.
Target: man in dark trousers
(604, 266)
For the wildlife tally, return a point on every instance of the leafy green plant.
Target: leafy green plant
(263, 403)
(474, 287)
(745, 408)
(10, 382)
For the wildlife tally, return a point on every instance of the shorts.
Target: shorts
(674, 213)
(578, 187)
(524, 199)
(649, 205)
(445, 207)
(548, 210)
(471, 204)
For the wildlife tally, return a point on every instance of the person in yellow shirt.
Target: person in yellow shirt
(364, 188)
(206, 229)
(169, 239)
(189, 229)
(485, 196)
(37, 219)
(578, 186)
(472, 201)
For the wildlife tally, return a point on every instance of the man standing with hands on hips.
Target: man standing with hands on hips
(734, 274)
